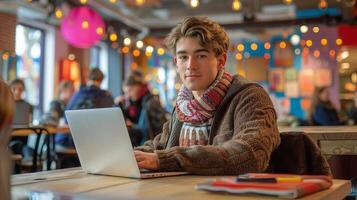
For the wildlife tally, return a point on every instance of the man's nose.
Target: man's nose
(192, 63)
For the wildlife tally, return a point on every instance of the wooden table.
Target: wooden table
(333, 140)
(39, 130)
(74, 181)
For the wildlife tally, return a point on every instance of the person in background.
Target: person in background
(18, 88)
(7, 109)
(18, 144)
(88, 96)
(322, 111)
(57, 106)
(143, 113)
(221, 124)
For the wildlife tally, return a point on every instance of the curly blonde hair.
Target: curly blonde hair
(209, 34)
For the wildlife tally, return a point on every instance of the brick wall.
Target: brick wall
(7, 31)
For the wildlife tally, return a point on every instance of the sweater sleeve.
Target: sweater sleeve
(246, 147)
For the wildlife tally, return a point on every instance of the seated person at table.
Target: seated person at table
(222, 124)
(57, 106)
(322, 111)
(23, 116)
(88, 96)
(143, 113)
(7, 109)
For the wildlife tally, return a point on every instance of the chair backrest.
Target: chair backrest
(298, 154)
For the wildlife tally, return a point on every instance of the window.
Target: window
(29, 53)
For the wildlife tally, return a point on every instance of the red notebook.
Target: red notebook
(279, 185)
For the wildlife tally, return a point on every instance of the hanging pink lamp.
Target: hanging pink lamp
(82, 27)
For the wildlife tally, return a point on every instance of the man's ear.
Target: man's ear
(222, 60)
(175, 60)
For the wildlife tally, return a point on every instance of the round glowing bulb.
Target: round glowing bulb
(240, 47)
(316, 29)
(149, 49)
(85, 24)
(194, 3)
(295, 39)
(254, 46)
(113, 37)
(323, 41)
(136, 53)
(160, 51)
(282, 44)
(125, 50)
(236, 5)
(339, 41)
(127, 41)
(309, 43)
(99, 31)
(139, 44)
(267, 45)
(239, 56)
(304, 29)
(83, 1)
(58, 13)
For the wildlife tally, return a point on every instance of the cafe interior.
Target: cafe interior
(289, 47)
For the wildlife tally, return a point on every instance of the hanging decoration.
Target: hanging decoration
(82, 27)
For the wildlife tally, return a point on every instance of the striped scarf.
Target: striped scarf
(196, 114)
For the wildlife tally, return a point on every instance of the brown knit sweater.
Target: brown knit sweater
(243, 135)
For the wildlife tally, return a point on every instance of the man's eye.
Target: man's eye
(202, 56)
(182, 57)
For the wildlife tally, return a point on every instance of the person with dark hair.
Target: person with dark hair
(352, 112)
(322, 111)
(7, 110)
(144, 114)
(88, 96)
(23, 117)
(57, 106)
(221, 124)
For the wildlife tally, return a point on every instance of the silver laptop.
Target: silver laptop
(103, 144)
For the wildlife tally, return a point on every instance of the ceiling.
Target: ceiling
(159, 16)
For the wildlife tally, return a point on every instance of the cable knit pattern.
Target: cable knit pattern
(243, 135)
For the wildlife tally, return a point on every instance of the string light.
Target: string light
(127, 41)
(113, 37)
(236, 5)
(149, 49)
(254, 46)
(139, 44)
(309, 43)
(339, 41)
(83, 1)
(125, 50)
(85, 24)
(58, 13)
(160, 51)
(295, 39)
(282, 44)
(112, 1)
(136, 52)
(139, 2)
(99, 31)
(287, 2)
(5, 56)
(316, 29)
(317, 53)
(239, 56)
(240, 47)
(194, 3)
(323, 4)
(323, 41)
(267, 45)
(304, 29)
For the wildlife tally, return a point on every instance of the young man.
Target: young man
(222, 124)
